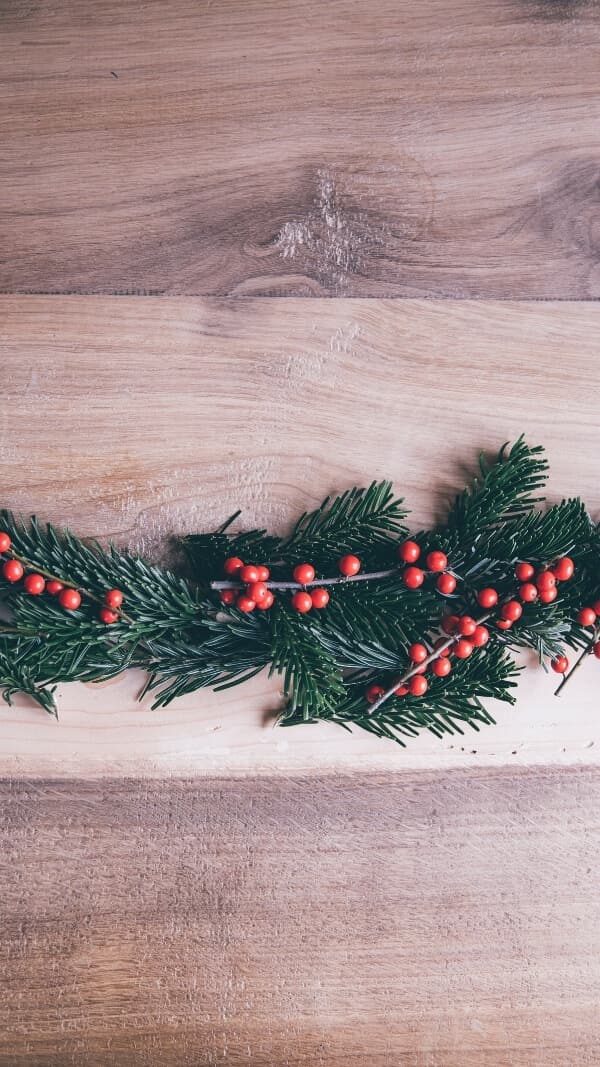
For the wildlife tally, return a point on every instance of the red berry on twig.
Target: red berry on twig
(244, 603)
(463, 649)
(487, 598)
(232, 565)
(34, 584)
(564, 569)
(4, 542)
(257, 591)
(12, 570)
(304, 573)
(228, 596)
(248, 574)
(418, 685)
(437, 561)
(302, 602)
(373, 692)
(441, 667)
(107, 616)
(413, 577)
(528, 592)
(560, 664)
(53, 586)
(267, 602)
(524, 571)
(512, 610)
(586, 617)
(417, 652)
(114, 598)
(446, 584)
(69, 599)
(409, 551)
(319, 597)
(349, 566)
(466, 626)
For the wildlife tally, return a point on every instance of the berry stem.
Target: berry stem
(64, 581)
(374, 576)
(418, 667)
(580, 660)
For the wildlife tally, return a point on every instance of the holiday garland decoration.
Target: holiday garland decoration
(366, 624)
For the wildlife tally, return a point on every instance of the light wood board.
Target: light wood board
(136, 419)
(352, 148)
(400, 921)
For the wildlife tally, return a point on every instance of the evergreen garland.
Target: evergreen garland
(408, 637)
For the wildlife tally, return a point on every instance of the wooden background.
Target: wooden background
(250, 252)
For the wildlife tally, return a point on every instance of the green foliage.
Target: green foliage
(179, 632)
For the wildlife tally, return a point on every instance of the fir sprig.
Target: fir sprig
(180, 632)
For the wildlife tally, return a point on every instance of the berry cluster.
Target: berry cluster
(256, 591)
(436, 562)
(68, 597)
(464, 633)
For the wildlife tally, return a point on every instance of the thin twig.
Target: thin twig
(418, 667)
(67, 582)
(373, 576)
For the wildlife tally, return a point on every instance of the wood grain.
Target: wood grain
(401, 921)
(139, 418)
(294, 147)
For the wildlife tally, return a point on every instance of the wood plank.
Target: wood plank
(401, 921)
(140, 418)
(352, 148)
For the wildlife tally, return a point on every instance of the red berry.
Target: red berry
(248, 574)
(349, 565)
(402, 690)
(257, 591)
(480, 636)
(548, 595)
(302, 602)
(228, 596)
(34, 584)
(304, 573)
(319, 597)
(413, 577)
(418, 685)
(437, 561)
(244, 603)
(69, 599)
(586, 617)
(512, 610)
(409, 551)
(463, 649)
(441, 667)
(528, 592)
(597, 650)
(263, 573)
(443, 647)
(107, 616)
(12, 570)
(487, 598)
(545, 580)
(466, 626)
(596, 607)
(373, 692)
(560, 664)
(114, 598)
(524, 571)
(54, 586)
(446, 584)
(503, 624)
(232, 565)
(268, 601)
(417, 653)
(449, 624)
(564, 568)
(4, 542)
